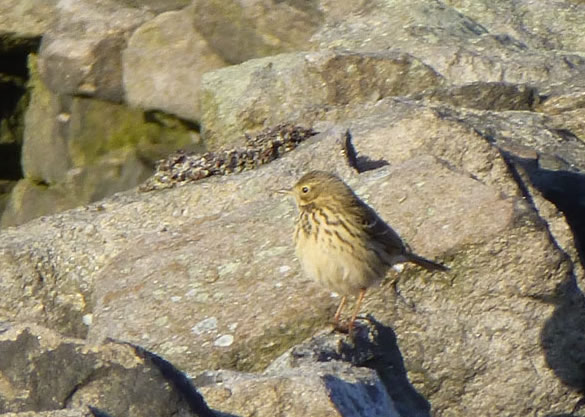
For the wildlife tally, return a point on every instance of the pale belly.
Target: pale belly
(337, 269)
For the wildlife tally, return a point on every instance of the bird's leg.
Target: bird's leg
(339, 310)
(357, 308)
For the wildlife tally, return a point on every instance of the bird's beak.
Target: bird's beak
(285, 191)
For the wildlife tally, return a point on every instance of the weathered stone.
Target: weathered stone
(157, 5)
(30, 200)
(163, 65)
(302, 88)
(24, 19)
(487, 96)
(564, 103)
(466, 117)
(79, 150)
(44, 150)
(372, 346)
(42, 371)
(458, 47)
(6, 188)
(241, 30)
(116, 172)
(162, 280)
(81, 54)
(331, 389)
(540, 25)
(171, 248)
(53, 413)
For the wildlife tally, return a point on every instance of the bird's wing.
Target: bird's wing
(380, 232)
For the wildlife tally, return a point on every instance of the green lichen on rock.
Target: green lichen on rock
(92, 128)
(101, 127)
(15, 96)
(83, 149)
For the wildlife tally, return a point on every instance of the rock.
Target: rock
(43, 146)
(28, 200)
(547, 162)
(79, 150)
(539, 25)
(44, 372)
(327, 387)
(6, 188)
(81, 54)
(466, 120)
(565, 104)
(462, 48)
(372, 346)
(163, 64)
(239, 30)
(156, 5)
(25, 19)
(240, 337)
(115, 172)
(55, 413)
(304, 87)
(487, 96)
(205, 274)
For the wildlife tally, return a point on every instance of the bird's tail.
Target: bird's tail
(425, 263)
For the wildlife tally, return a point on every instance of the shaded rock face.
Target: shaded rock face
(466, 135)
(44, 372)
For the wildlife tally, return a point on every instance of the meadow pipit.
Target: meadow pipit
(341, 242)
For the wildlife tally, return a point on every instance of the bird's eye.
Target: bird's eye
(305, 190)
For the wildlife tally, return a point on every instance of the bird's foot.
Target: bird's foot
(341, 326)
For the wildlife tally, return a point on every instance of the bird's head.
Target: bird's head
(319, 188)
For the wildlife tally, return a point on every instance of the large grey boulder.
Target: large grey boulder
(324, 371)
(205, 274)
(22, 19)
(305, 88)
(242, 30)
(163, 64)
(46, 374)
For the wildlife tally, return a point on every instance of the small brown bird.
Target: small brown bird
(341, 242)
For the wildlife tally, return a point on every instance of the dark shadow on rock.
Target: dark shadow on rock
(359, 163)
(366, 164)
(373, 346)
(179, 381)
(565, 189)
(96, 412)
(564, 415)
(341, 396)
(378, 349)
(563, 335)
(563, 338)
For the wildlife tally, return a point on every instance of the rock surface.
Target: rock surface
(42, 371)
(467, 122)
(242, 30)
(26, 18)
(314, 370)
(81, 54)
(304, 87)
(161, 278)
(77, 150)
(164, 56)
